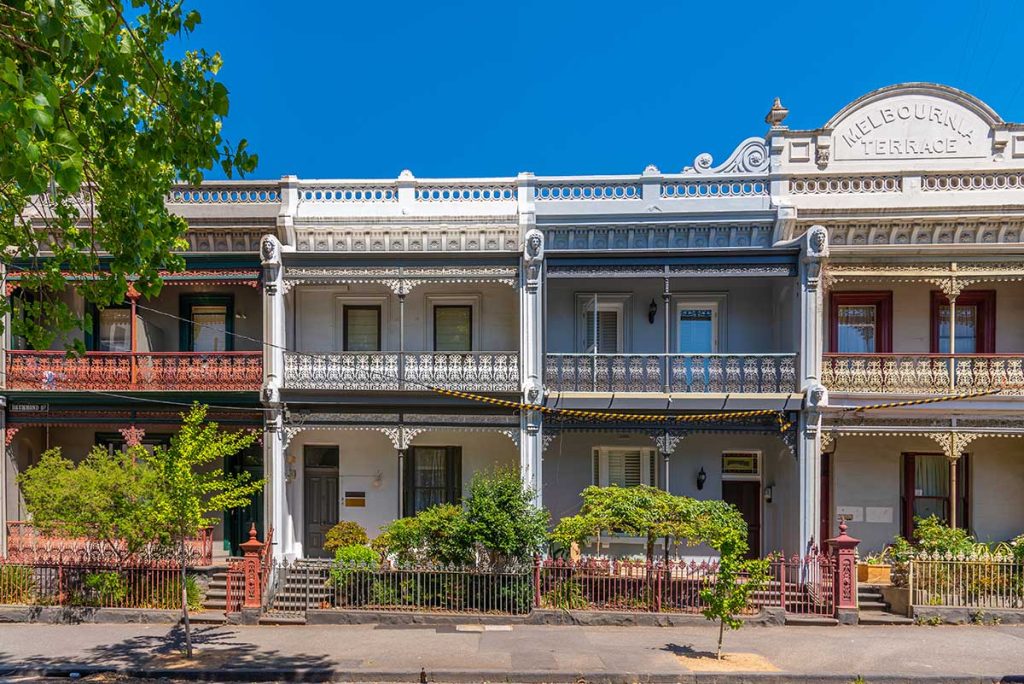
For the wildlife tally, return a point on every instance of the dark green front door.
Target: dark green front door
(238, 521)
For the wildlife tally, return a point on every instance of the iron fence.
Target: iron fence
(989, 581)
(149, 585)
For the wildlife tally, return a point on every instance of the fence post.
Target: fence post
(782, 581)
(657, 593)
(536, 580)
(252, 597)
(844, 584)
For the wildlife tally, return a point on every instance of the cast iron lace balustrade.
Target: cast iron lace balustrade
(923, 373)
(697, 373)
(476, 371)
(159, 371)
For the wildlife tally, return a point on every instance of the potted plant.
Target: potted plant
(875, 569)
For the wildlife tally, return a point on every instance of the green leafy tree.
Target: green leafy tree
(502, 518)
(721, 526)
(110, 497)
(97, 123)
(641, 511)
(193, 484)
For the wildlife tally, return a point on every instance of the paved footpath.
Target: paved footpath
(519, 653)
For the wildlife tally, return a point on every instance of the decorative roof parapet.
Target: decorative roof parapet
(750, 157)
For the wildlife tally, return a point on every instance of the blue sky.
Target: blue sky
(365, 89)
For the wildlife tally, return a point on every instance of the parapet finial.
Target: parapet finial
(776, 115)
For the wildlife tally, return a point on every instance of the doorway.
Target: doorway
(320, 497)
(237, 521)
(746, 496)
(741, 487)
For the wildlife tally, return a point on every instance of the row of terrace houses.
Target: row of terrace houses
(878, 258)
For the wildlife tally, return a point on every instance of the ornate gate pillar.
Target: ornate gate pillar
(844, 550)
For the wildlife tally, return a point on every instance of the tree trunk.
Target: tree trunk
(184, 601)
(721, 633)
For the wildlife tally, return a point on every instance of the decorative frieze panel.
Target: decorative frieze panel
(401, 429)
(878, 233)
(548, 190)
(725, 270)
(391, 371)
(225, 239)
(659, 236)
(750, 187)
(436, 238)
(1012, 180)
(400, 279)
(226, 193)
(746, 373)
(922, 373)
(846, 185)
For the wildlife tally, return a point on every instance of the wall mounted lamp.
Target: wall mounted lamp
(702, 477)
(652, 311)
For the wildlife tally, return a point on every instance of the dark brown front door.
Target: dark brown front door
(320, 497)
(746, 496)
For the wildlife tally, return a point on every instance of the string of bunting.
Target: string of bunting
(932, 400)
(780, 417)
(611, 415)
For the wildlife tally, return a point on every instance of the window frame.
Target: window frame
(715, 305)
(648, 465)
(362, 307)
(433, 317)
(92, 334)
(881, 300)
(907, 490)
(742, 477)
(453, 476)
(985, 301)
(606, 301)
(472, 301)
(187, 302)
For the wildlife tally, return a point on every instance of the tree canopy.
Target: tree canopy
(97, 123)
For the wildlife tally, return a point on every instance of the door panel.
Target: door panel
(320, 505)
(746, 496)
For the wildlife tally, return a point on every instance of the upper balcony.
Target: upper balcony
(686, 331)
(198, 335)
(456, 328)
(888, 329)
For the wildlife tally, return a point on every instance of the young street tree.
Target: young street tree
(194, 484)
(97, 123)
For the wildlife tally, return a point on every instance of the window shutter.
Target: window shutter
(454, 467)
(607, 331)
(652, 468)
(596, 473)
(632, 469)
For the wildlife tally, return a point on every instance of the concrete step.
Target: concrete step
(215, 604)
(278, 619)
(873, 605)
(208, 617)
(872, 618)
(810, 621)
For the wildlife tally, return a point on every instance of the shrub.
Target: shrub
(439, 534)
(934, 536)
(107, 588)
(170, 594)
(345, 533)
(566, 595)
(502, 518)
(349, 562)
(17, 584)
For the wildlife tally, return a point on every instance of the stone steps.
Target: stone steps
(874, 610)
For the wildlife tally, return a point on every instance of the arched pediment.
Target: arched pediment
(913, 121)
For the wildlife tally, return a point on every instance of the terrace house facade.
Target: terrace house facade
(751, 304)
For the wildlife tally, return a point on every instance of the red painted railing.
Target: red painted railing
(797, 585)
(185, 371)
(135, 584)
(26, 544)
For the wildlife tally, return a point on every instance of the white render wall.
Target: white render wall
(317, 315)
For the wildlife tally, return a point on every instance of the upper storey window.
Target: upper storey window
(114, 329)
(362, 328)
(453, 328)
(698, 328)
(209, 323)
(861, 322)
(974, 329)
(603, 334)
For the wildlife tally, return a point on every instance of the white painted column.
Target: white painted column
(813, 253)
(531, 336)
(274, 341)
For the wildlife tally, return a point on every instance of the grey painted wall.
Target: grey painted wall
(759, 313)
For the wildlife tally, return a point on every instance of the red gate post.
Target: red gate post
(252, 599)
(844, 585)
